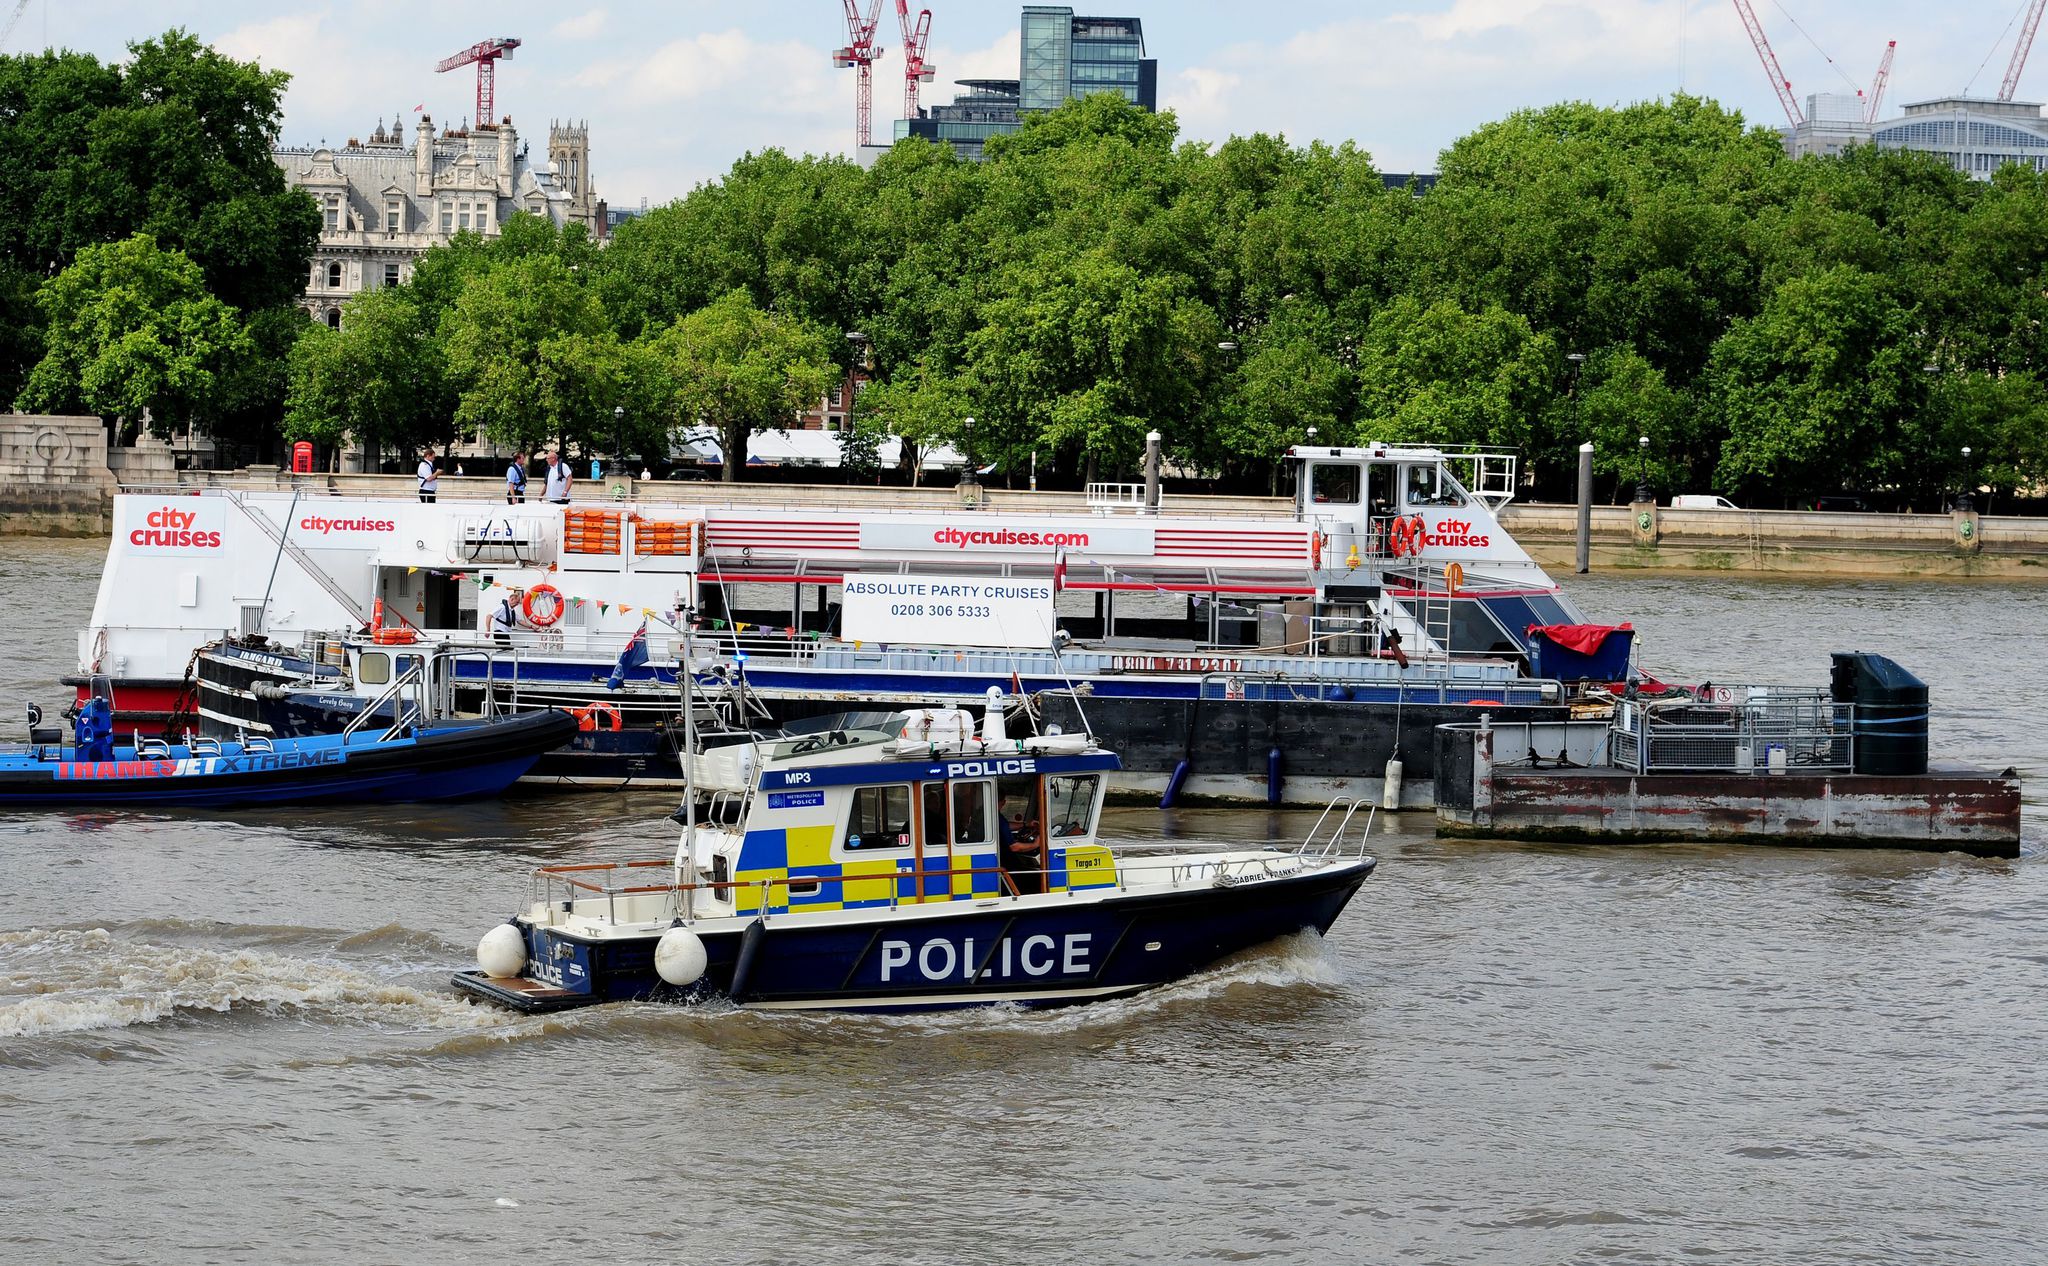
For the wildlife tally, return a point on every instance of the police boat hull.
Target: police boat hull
(452, 761)
(1032, 951)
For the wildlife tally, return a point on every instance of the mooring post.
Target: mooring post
(1585, 506)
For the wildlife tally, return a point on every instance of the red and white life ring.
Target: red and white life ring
(1403, 538)
(547, 609)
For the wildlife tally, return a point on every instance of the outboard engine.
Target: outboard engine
(94, 726)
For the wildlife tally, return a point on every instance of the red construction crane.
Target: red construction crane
(1877, 83)
(915, 71)
(2019, 51)
(485, 55)
(861, 52)
(1770, 61)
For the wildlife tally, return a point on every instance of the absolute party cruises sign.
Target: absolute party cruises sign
(948, 611)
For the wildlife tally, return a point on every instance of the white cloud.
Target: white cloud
(587, 25)
(337, 81)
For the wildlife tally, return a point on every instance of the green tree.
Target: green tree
(378, 379)
(921, 405)
(1821, 390)
(494, 332)
(131, 328)
(738, 369)
(1439, 374)
(1620, 398)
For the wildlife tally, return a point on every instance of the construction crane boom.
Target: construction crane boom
(2020, 46)
(14, 20)
(485, 53)
(915, 39)
(1877, 83)
(1779, 83)
(861, 52)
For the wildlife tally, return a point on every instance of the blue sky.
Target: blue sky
(674, 92)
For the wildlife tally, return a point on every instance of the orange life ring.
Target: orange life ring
(1402, 540)
(587, 715)
(1417, 534)
(547, 614)
(397, 635)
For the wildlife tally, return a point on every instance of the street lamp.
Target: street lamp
(1965, 503)
(1643, 492)
(1226, 346)
(967, 479)
(619, 434)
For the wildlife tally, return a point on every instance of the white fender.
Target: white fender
(679, 957)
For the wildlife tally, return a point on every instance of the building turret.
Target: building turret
(508, 153)
(423, 157)
(569, 155)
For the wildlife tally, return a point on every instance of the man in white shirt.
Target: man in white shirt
(429, 474)
(505, 618)
(558, 479)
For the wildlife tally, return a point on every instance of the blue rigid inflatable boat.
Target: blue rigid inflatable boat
(454, 760)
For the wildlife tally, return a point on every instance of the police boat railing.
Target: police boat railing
(560, 888)
(407, 695)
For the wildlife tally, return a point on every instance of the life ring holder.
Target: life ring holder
(587, 715)
(548, 615)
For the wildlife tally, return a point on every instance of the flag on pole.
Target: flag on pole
(633, 656)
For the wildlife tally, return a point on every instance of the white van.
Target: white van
(1703, 502)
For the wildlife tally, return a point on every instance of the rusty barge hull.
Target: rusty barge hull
(1943, 810)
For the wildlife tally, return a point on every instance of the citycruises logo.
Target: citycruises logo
(174, 528)
(960, 538)
(314, 523)
(1456, 534)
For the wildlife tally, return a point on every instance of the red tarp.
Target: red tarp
(1583, 638)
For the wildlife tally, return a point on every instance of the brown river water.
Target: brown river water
(229, 1037)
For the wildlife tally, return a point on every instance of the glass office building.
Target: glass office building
(1060, 57)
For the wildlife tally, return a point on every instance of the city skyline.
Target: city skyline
(674, 93)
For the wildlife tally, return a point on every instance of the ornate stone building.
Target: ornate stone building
(386, 202)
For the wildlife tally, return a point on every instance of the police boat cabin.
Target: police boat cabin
(910, 866)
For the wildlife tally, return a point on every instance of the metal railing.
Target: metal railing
(1744, 730)
(547, 883)
(1112, 498)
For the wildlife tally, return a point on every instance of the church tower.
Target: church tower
(569, 155)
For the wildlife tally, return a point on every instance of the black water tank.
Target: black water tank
(1891, 713)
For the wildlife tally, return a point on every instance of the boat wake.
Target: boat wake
(74, 980)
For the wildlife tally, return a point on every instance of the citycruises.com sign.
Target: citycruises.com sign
(978, 534)
(186, 525)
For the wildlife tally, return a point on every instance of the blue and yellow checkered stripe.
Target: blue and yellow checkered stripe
(789, 855)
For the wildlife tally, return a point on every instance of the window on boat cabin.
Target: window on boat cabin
(880, 817)
(1428, 487)
(1017, 801)
(970, 813)
(933, 798)
(1070, 803)
(373, 668)
(1334, 483)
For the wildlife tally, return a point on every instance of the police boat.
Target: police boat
(405, 759)
(909, 864)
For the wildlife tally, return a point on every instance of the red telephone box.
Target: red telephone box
(302, 458)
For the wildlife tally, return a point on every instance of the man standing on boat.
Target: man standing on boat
(505, 617)
(430, 475)
(515, 480)
(558, 479)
